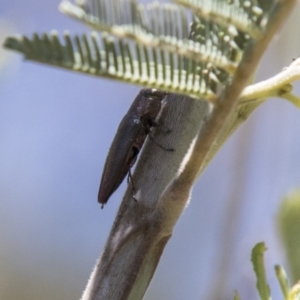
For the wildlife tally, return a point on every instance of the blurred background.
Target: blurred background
(55, 131)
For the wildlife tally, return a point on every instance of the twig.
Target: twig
(141, 230)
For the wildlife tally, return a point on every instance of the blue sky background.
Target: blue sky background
(55, 130)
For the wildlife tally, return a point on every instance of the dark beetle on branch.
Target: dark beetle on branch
(129, 139)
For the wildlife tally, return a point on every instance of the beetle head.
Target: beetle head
(153, 94)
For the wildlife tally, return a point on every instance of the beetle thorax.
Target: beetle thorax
(148, 108)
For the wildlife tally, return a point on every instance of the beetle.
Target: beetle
(128, 141)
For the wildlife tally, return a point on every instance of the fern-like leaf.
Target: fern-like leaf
(248, 16)
(103, 56)
(153, 45)
(159, 25)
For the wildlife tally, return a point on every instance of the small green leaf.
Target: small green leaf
(236, 296)
(257, 259)
(295, 292)
(283, 281)
(289, 226)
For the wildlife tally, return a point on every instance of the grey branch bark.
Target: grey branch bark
(164, 179)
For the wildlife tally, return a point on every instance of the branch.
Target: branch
(141, 230)
(277, 86)
(207, 142)
(137, 240)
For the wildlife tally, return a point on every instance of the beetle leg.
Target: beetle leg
(159, 145)
(163, 131)
(159, 128)
(152, 123)
(130, 180)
